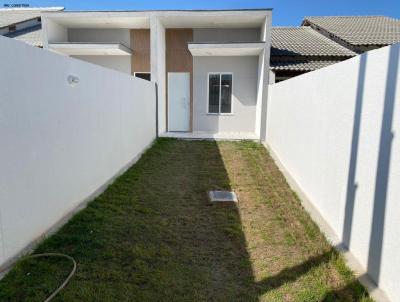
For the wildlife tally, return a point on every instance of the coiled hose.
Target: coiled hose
(66, 280)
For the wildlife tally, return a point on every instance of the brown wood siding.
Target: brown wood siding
(179, 59)
(140, 45)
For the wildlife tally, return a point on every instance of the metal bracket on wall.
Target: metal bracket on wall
(156, 87)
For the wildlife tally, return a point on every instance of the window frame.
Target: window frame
(143, 72)
(220, 92)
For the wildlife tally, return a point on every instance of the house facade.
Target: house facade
(211, 67)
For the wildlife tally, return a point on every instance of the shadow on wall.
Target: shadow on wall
(351, 184)
(382, 171)
(383, 164)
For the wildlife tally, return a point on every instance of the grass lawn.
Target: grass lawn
(152, 236)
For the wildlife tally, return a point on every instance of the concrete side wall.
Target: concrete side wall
(226, 34)
(60, 142)
(119, 63)
(244, 98)
(335, 132)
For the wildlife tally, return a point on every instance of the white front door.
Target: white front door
(178, 101)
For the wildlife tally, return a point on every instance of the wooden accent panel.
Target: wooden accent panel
(178, 56)
(179, 59)
(140, 45)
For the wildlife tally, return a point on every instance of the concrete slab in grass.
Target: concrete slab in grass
(222, 197)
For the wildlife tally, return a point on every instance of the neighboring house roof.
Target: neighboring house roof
(31, 35)
(28, 32)
(306, 65)
(304, 49)
(359, 30)
(304, 41)
(10, 16)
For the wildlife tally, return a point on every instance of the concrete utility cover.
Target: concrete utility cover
(222, 197)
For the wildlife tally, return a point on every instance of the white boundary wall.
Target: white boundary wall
(335, 132)
(62, 143)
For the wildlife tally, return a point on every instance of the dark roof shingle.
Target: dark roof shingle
(360, 30)
(31, 35)
(306, 65)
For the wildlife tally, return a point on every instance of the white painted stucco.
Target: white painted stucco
(169, 18)
(244, 97)
(335, 131)
(158, 69)
(234, 49)
(226, 34)
(263, 79)
(91, 49)
(53, 32)
(119, 63)
(62, 142)
(103, 35)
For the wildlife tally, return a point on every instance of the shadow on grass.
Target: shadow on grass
(153, 236)
(352, 287)
(291, 274)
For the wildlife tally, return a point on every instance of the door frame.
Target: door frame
(168, 107)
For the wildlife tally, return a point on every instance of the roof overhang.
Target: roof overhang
(170, 19)
(214, 19)
(226, 49)
(91, 49)
(99, 19)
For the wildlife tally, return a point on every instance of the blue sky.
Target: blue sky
(286, 12)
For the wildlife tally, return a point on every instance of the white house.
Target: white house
(209, 66)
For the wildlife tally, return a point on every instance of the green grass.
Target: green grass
(152, 236)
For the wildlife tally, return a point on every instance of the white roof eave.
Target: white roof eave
(226, 49)
(108, 49)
